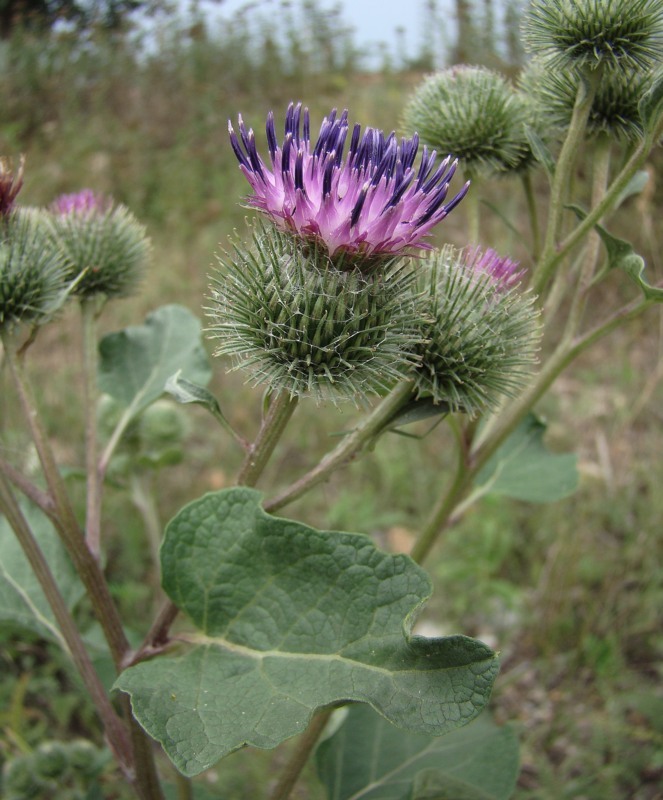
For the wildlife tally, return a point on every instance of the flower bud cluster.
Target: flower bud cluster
(617, 44)
(329, 300)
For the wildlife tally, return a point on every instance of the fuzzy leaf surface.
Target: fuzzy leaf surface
(367, 758)
(22, 602)
(292, 619)
(524, 468)
(135, 363)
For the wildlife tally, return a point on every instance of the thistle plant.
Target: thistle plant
(337, 292)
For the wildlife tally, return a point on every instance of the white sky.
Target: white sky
(373, 20)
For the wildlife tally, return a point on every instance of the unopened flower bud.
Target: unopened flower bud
(104, 247)
(481, 331)
(10, 185)
(297, 323)
(475, 114)
(32, 274)
(614, 34)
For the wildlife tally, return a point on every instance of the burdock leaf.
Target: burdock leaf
(367, 758)
(186, 392)
(292, 619)
(525, 469)
(621, 255)
(135, 363)
(22, 602)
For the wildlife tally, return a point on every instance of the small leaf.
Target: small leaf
(621, 255)
(185, 392)
(523, 468)
(22, 601)
(369, 758)
(541, 152)
(635, 186)
(135, 363)
(291, 620)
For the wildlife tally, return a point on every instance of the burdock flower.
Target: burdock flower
(369, 204)
(104, 247)
(10, 185)
(481, 332)
(617, 34)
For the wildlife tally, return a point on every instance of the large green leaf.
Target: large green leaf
(292, 619)
(22, 602)
(525, 469)
(135, 363)
(367, 758)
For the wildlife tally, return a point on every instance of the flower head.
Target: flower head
(299, 323)
(32, 275)
(502, 271)
(84, 202)
(10, 185)
(476, 114)
(372, 203)
(104, 247)
(589, 33)
(480, 332)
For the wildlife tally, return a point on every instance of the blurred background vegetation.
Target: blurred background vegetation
(132, 99)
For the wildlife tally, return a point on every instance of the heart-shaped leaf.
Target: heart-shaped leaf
(135, 363)
(525, 469)
(292, 619)
(367, 758)
(22, 600)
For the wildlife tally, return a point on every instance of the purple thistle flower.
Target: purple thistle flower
(10, 185)
(372, 203)
(86, 202)
(502, 270)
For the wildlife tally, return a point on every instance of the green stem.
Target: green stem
(144, 500)
(563, 171)
(40, 498)
(94, 478)
(442, 513)
(297, 762)
(472, 203)
(528, 189)
(64, 517)
(115, 730)
(278, 415)
(86, 565)
(601, 172)
(348, 448)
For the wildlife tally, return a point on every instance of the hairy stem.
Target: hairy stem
(278, 414)
(528, 189)
(40, 498)
(297, 762)
(64, 517)
(94, 478)
(563, 171)
(115, 729)
(348, 448)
